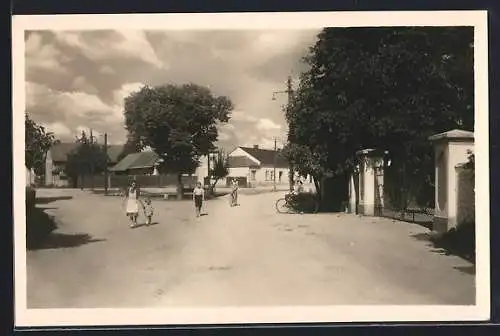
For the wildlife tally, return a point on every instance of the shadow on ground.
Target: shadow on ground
(40, 233)
(459, 242)
(46, 200)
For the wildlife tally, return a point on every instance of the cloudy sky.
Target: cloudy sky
(78, 80)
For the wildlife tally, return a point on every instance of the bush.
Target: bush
(460, 241)
(30, 198)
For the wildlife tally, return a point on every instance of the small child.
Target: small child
(148, 210)
(198, 198)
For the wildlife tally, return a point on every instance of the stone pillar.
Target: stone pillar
(450, 150)
(370, 181)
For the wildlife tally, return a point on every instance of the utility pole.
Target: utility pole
(106, 164)
(91, 161)
(208, 170)
(274, 165)
(289, 92)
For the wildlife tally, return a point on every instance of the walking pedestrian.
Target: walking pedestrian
(234, 192)
(132, 203)
(148, 210)
(198, 198)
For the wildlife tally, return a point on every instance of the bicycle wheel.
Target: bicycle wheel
(282, 206)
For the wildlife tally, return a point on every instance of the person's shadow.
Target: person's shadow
(145, 224)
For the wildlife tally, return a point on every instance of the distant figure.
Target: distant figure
(198, 198)
(299, 187)
(234, 192)
(148, 210)
(132, 200)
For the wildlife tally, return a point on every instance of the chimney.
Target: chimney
(256, 146)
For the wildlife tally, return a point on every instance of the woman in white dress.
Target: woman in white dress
(132, 200)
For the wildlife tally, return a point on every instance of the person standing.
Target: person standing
(234, 192)
(198, 198)
(148, 210)
(132, 203)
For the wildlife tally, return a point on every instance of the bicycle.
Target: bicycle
(297, 203)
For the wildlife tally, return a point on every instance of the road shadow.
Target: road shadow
(40, 233)
(470, 270)
(60, 240)
(46, 200)
(145, 225)
(459, 243)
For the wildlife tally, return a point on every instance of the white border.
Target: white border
(70, 317)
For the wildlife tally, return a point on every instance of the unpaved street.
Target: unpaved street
(246, 255)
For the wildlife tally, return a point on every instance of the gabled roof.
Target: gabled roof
(266, 156)
(137, 160)
(240, 161)
(60, 151)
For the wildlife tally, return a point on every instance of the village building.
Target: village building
(57, 157)
(255, 166)
(142, 163)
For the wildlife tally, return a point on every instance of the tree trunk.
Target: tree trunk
(212, 187)
(318, 186)
(355, 178)
(180, 186)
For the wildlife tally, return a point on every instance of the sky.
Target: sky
(77, 80)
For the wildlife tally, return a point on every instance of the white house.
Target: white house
(256, 166)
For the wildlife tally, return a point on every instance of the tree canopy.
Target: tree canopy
(386, 88)
(179, 122)
(87, 159)
(37, 142)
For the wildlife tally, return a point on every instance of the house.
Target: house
(257, 166)
(57, 156)
(142, 163)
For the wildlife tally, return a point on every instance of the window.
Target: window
(267, 175)
(280, 175)
(252, 175)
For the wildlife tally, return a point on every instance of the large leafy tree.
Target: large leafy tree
(37, 142)
(178, 122)
(87, 159)
(386, 88)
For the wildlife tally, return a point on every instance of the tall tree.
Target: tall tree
(386, 88)
(178, 122)
(220, 168)
(87, 159)
(37, 142)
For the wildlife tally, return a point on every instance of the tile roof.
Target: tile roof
(61, 150)
(266, 156)
(240, 161)
(136, 160)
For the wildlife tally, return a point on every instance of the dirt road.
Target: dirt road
(246, 255)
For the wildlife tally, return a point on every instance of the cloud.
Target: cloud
(124, 91)
(80, 78)
(101, 46)
(267, 125)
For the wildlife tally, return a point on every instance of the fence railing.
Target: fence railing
(144, 181)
